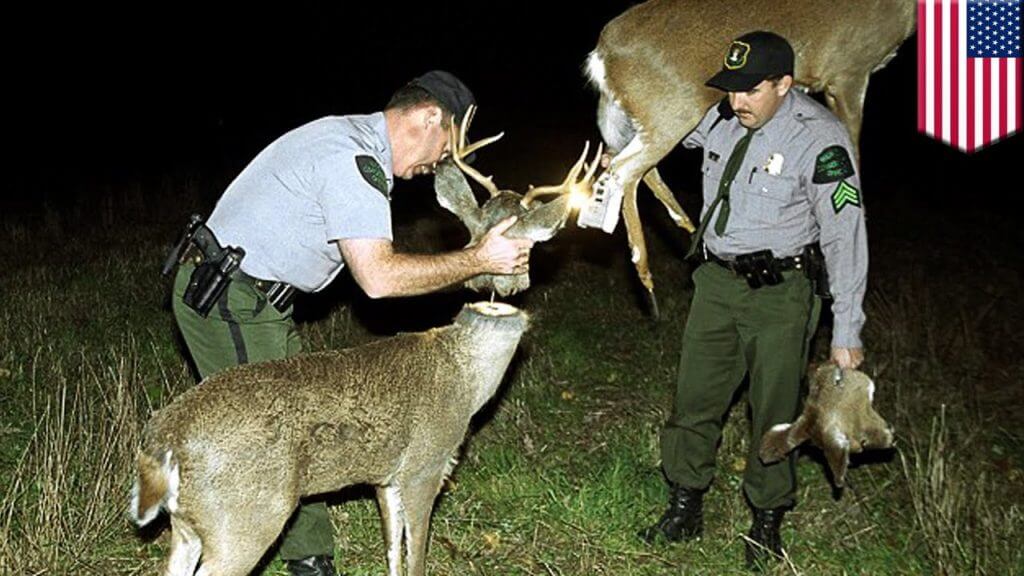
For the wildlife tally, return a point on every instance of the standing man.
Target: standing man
(312, 202)
(780, 189)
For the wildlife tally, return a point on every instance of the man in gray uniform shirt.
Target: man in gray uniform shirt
(313, 201)
(780, 190)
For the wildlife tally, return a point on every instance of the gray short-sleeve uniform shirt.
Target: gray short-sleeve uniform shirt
(788, 194)
(327, 180)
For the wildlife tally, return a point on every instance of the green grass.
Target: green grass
(562, 468)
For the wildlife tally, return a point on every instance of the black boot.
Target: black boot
(312, 566)
(765, 542)
(682, 520)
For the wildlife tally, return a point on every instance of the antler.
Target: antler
(460, 150)
(579, 189)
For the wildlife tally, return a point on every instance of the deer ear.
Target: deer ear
(775, 443)
(781, 439)
(455, 195)
(543, 221)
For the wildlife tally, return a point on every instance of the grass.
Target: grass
(562, 468)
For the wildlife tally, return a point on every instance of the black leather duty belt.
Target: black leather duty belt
(280, 295)
(781, 264)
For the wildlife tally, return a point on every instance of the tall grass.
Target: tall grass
(966, 528)
(65, 508)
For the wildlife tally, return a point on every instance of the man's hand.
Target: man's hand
(500, 255)
(847, 357)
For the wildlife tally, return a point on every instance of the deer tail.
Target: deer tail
(155, 488)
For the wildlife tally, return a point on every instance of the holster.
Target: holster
(210, 279)
(215, 265)
(178, 252)
(759, 268)
(816, 270)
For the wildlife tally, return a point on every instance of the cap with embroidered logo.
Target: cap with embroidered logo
(750, 59)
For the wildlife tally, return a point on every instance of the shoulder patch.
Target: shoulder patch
(845, 195)
(832, 165)
(373, 173)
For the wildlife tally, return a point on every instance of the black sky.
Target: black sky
(104, 97)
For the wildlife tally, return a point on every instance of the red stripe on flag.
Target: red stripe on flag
(922, 48)
(954, 67)
(937, 64)
(971, 144)
(1003, 88)
(986, 104)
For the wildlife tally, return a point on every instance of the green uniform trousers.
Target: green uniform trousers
(733, 330)
(243, 327)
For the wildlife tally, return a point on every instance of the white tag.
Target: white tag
(774, 165)
(602, 208)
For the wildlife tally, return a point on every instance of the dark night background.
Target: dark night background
(102, 100)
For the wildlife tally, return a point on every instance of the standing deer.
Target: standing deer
(537, 221)
(230, 458)
(651, 62)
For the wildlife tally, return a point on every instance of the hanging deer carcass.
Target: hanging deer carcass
(651, 62)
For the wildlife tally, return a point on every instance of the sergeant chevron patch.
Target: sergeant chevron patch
(845, 195)
(373, 173)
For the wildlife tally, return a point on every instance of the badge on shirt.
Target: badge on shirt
(774, 165)
(373, 173)
(832, 165)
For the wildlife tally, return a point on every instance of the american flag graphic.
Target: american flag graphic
(968, 71)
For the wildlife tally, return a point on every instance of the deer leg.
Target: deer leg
(664, 193)
(418, 502)
(628, 166)
(238, 534)
(393, 516)
(232, 551)
(637, 243)
(845, 97)
(186, 548)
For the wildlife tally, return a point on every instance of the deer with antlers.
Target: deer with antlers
(538, 221)
(651, 62)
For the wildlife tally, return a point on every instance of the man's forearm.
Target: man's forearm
(411, 274)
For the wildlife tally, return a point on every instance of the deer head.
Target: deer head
(838, 417)
(538, 221)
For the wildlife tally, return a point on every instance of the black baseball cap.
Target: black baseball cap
(750, 59)
(453, 95)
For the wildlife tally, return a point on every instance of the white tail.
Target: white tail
(230, 458)
(155, 488)
(651, 62)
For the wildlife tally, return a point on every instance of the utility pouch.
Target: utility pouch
(817, 272)
(210, 279)
(759, 268)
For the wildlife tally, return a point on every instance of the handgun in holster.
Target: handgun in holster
(174, 258)
(759, 268)
(213, 270)
(211, 278)
(816, 270)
